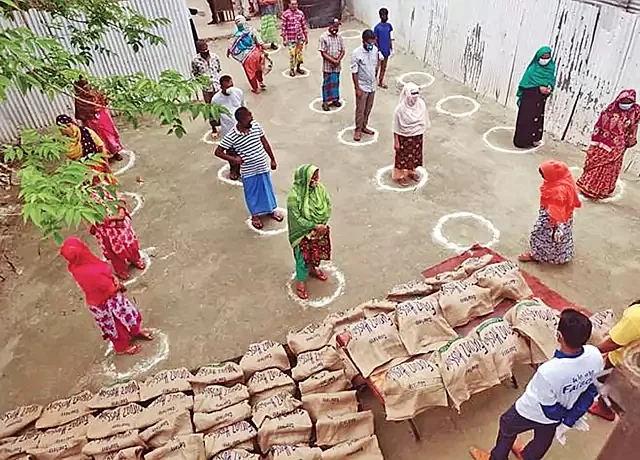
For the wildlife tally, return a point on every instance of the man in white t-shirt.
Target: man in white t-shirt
(556, 398)
(232, 99)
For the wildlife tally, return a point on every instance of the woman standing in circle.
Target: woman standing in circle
(552, 235)
(615, 131)
(410, 122)
(116, 316)
(309, 210)
(269, 22)
(247, 48)
(535, 87)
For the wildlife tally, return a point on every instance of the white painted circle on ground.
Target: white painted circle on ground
(142, 366)
(138, 199)
(207, 139)
(439, 238)
(307, 74)
(277, 231)
(402, 78)
(351, 34)
(318, 100)
(223, 175)
(476, 106)
(130, 162)
(372, 139)
(424, 177)
(270, 51)
(147, 261)
(332, 271)
(485, 138)
(618, 193)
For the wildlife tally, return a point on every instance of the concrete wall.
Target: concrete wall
(487, 44)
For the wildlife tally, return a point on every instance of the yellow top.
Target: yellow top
(625, 332)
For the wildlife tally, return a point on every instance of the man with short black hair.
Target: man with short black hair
(231, 98)
(556, 398)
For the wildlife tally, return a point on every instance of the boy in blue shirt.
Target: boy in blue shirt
(384, 42)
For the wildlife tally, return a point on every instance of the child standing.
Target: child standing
(384, 42)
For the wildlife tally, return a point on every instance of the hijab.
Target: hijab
(537, 74)
(92, 274)
(613, 123)
(82, 144)
(307, 206)
(411, 117)
(558, 192)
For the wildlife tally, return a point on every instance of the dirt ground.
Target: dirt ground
(214, 286)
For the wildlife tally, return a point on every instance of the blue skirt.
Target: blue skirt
(258, 194)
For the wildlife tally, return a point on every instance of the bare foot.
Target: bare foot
(131, 350)
(367, 131)
(526, 257)
(145, 334)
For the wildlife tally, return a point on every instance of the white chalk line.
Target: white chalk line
(618, 193)
(352, 34)
(142, 366)
(223, 175)
(207, 139)
(332, 271)
(277, 231)
(424, 177)
(373, 138)
(485, 138)
(147, 260)
(476, 106)
(439, 238)
(312, 106)
(401, 78)
(307, 74)
(139, 202)
(130, 163)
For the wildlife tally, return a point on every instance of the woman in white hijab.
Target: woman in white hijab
(410, 122)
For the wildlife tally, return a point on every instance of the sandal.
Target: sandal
(140, 265)
(367, 131)
(234, 177)
(300, 71)
(402, 182)
(145, 334)
(117, 157)
(337, 104)
(131, 350)
(123, 276)
(277, 216)
(383, 86)
(526, 257)
(301, 291)
(292, 73)
(257, 222)
(414, 176)
(318, 274)
(325, 107)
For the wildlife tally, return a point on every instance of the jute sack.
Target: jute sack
(131, 453)
(331, 431)
(163, 407)
(264, 355)
(502, 342)
(325, 382)
(236, 454)
(538, 323)
(15, 420)
(340, 320)
(419, 288)
(473, 264)
(65, 410)
(69, 450)
(275, 406)
(228, 416)
(422, 325)
(505, 281)
(116, 395)
(190, 447)
(268, 379)
(11, 448)
(330, 404)
(259, 397)
(174, 425)
(467, 368)
(294, 453)
(411, 388)
(291, 429)
(374, 342)
(114, 421)
(312, 362)
(602, 323)
(446, 277)
(311, 337)
(356, 449)
(113, 443)
(164, 382)
(216, 397)
(461, 301)
(374, 307)
(72, 430)
(218, 374)
(228, 437)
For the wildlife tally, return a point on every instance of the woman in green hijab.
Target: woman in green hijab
(309, 210)
(535, 87)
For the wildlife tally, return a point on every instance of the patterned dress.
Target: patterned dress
(409, 156)
(118, 319)
(549, 244)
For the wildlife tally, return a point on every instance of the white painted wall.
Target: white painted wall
(487, 45)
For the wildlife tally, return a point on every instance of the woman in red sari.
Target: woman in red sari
(116, 316)
(615, 131)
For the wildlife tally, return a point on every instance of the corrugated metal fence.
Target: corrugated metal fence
(35, 110)
(487, 44)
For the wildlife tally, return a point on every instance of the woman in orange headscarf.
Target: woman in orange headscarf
(552, 235)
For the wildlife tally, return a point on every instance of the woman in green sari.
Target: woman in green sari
(309, 210)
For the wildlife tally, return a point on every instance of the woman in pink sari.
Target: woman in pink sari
(92, 112)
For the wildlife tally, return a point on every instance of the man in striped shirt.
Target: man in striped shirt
(255, 157)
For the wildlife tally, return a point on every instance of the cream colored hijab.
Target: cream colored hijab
(411, 117)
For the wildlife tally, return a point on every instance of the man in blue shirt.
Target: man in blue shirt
(384, 42)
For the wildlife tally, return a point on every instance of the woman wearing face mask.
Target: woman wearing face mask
(615, 131)
(247, 48)
(308, 212)
(535, 87)
(410, 122)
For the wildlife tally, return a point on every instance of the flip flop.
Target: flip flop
(257, 223)
(131, 350)
(302, 292)
(383, 86)
(277, 217)
(140, 265)
(319, 274)
(292, 73)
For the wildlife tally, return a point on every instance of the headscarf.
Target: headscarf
(242, 41)
(613, 124)
(411, 117)
(87, 101)
(92, 274)
(538, 75)
(83, 144)
(558, 192)
(306, 206)
(241, 22)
